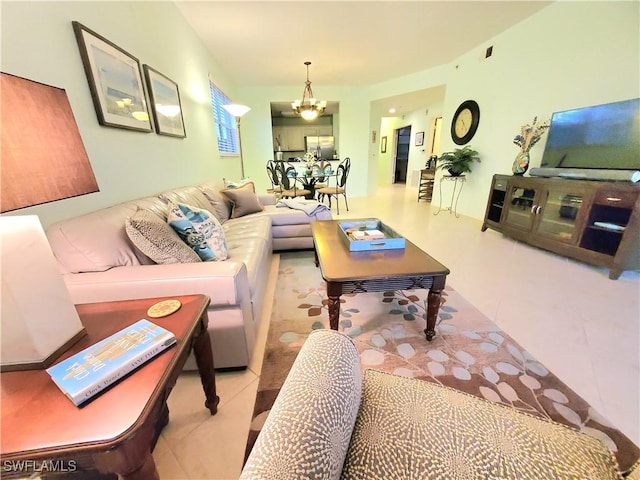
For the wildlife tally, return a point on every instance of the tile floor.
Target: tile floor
(581, 325)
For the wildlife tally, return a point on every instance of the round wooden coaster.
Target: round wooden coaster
(164, 308)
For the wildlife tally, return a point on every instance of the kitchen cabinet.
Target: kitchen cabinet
(594, 222)
(291, 138)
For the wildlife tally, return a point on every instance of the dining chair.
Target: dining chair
(286, 177)
(273, 178)
(342, 173)
(320, 169)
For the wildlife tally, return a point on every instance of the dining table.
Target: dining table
(308, 181)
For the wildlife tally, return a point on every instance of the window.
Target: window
(225, 122)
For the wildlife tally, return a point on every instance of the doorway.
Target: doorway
(403, 141)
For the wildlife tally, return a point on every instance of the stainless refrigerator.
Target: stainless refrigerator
(321, 145)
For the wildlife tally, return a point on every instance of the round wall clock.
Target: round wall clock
(465, 122)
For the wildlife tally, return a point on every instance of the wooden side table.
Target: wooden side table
(114, 432)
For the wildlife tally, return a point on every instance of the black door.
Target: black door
(402, 155)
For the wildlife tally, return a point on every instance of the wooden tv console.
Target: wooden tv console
(591, 221)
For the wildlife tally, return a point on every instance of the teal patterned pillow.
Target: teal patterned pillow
(200, 230)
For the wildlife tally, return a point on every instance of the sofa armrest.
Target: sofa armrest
(226, 283)
(308, 430)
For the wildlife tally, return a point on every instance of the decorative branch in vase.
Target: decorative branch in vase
(529, 135)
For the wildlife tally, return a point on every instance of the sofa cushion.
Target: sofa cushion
(96, 241)
(244, 200)
(200, 230)
(220, 205)
(412, 429)
(157, 240)
(190, 195)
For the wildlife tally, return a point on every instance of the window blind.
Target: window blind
(226, 131)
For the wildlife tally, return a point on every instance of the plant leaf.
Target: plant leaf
(508, 392)
(556, 395)
(530, 382)
(435, 368)
(438, 355)
(461, 373)
(490, 394)
(568, 414)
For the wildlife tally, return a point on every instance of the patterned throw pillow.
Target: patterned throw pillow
(200, 230)
(157, 240)
(244, 200)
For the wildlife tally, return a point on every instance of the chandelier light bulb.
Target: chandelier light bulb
(309, 107)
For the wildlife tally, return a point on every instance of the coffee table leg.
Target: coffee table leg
(334, 290)
(204, 360)
(433, 305)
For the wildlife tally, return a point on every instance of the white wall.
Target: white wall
(38, 43)
(569, 54)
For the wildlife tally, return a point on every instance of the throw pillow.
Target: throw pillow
(157, 240)
(244, 200)
(200, 230)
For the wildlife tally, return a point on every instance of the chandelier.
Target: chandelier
(309, 108)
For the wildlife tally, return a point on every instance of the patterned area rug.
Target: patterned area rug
(469, 353)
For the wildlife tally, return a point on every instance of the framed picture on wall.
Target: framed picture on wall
(383, 145)
(419, 139)
(115, 81)
(165, 103)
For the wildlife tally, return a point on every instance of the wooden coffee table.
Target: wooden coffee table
(115, 431)
(375, 271)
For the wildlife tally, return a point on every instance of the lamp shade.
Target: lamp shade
(236, 109)
(43, 157)
(39, 320)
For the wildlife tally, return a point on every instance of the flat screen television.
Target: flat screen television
(597, 137)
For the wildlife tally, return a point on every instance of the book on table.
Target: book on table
(97, 367)
(367, 235)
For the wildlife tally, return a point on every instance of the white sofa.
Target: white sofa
(100, 263)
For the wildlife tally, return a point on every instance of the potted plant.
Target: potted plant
(459, 161)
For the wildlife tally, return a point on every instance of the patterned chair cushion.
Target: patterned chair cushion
(412, 429)
(157, 240)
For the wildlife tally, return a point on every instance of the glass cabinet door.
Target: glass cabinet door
(521, 207)
(559, 215)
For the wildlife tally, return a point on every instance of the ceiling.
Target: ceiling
(350, 43)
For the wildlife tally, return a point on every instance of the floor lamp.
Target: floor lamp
(43, 160)
(238, 111)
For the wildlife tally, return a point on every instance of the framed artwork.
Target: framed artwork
(419, 139)
(165, 103)
(383, 145)
(115, 81)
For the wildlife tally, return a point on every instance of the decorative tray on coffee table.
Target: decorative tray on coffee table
(369, 234)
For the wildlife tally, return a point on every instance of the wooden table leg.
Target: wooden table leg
(147, 470)
(334, 290)
(204, 360)
(433, 305)
(132, 460)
